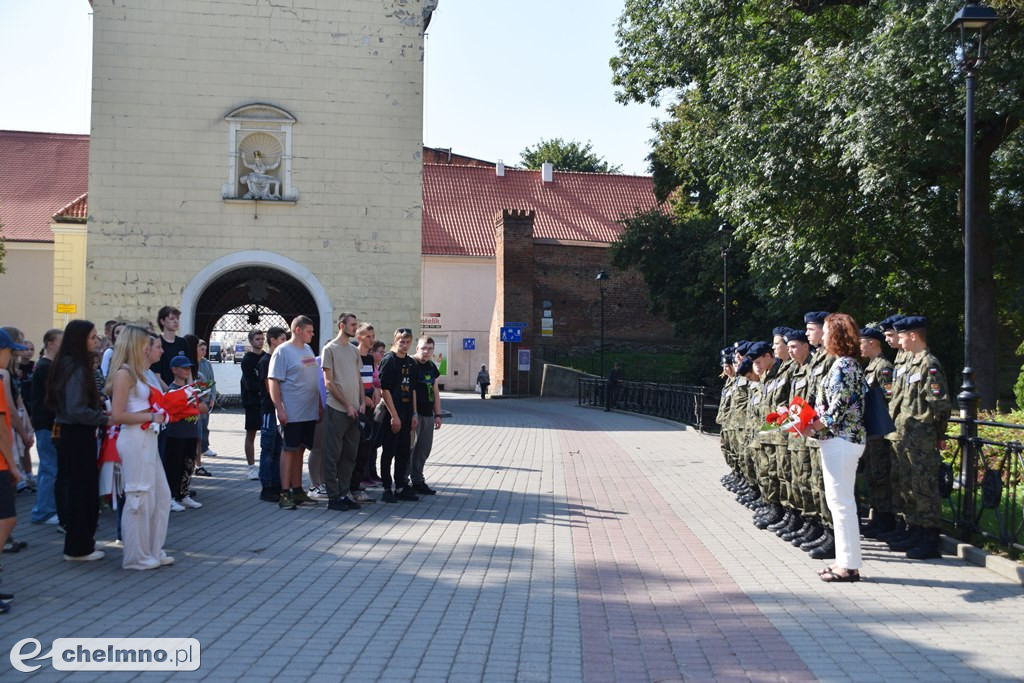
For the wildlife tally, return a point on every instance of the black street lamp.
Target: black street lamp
(971, 22)
(602, 277)
(725, 233)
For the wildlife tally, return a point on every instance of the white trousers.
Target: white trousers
(147, 504)
(839, 466)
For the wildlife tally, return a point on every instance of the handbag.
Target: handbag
(380, 411)
(877, 420)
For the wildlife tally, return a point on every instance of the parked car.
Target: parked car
(239, 352)
(216, 352)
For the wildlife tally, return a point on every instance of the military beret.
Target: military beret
(746, 366)
(815, 317)
(872, 332)
(758, 349)
(911, 322)
(780, 331)
(737, 344)
(727, 355)
(742, 347)
(796, 335)
(890, 322)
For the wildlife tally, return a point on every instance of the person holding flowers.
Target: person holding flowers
(147, 496)
(840, 432)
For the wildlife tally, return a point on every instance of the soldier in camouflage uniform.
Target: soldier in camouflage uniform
(921, 413)
(897, 486)
(763, 364)
(877, 452)
(817, 537)
(774, 466)
(747, 389)
(725, 407)
(798, 457)
(736, 421)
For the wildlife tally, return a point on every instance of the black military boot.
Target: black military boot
(772, 514)
(805, 525)
(904, 543)
(812, 534)
(825, 550)
(787, 517)
(816, 538)
(898, 529)
(795, 522)
(883, 523)
(928, 546)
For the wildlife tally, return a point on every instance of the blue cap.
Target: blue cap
(181, 362)
(911, 322)
(890, 322)
(758, 349)
(7, 343)
(872, 332)
(815, 317)
(796, 335)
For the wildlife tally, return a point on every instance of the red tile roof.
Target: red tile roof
(42, 173)
(459, 204)
(75, 212)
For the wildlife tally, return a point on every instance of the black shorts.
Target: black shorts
(7, 506)
(252, 418)
(299, 435)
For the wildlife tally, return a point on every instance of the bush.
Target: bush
(1018, 388)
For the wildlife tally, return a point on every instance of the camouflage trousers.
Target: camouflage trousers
(728, 452)
(918, 460)
(878, 474)
(821, 512)
(800, 475)
(768, 472)
(749, 449)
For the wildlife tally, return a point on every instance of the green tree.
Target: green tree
(566, 156)
(830, 134)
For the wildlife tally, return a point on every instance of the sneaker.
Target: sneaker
(91, 557)
(53, 520)
(189, 503)
(209, 453)
(361, 498)
(286, 502)
(254, 472)
(342, 504)
(202, 472)
(60, 528)
(166, 561)
(176, 506)
(317, 492)
(388, 496)
(270, 495)
(116, 543)
(369, 484)
(423, 489)
(406, 494)
(301, 497)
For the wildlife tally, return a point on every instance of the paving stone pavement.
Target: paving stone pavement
(565, 544)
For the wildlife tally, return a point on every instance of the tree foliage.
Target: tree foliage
(830, 134)
(566, 156)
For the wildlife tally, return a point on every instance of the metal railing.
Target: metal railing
(677, 402)
(985, 500)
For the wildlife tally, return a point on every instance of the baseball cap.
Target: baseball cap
(181, 362)
(7, 343)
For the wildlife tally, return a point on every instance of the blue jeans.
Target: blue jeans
(271, 444)
(204, 425)
(46, 479)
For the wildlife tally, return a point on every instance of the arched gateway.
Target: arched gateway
(257, 282)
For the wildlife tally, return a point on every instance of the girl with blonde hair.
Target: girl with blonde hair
(147, 495)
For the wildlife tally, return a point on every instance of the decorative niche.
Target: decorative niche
(260, 154)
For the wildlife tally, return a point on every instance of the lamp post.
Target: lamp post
(971, 21)
(602, 277)
(725, 232)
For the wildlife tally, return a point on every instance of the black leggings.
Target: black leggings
(178, 455)
(78, 487)
(395, 447)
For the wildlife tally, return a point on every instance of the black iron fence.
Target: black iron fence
(691, 405)
(983, 483)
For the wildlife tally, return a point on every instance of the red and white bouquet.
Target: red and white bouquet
(792, 418)
(179, 404)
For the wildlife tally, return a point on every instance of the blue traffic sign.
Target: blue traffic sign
(512, 335)
(469, 343)
(516, 325)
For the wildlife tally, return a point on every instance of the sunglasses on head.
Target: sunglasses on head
(404, 330)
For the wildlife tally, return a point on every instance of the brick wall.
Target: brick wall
(532, 273)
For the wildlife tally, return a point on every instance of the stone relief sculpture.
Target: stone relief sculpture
(261, 184)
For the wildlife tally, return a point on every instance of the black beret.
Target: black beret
(746, 366)
(911, 322)
(796, 335)
(890, 322)
(780, 331)
(816, 317)
(758, 349)
(872, 332)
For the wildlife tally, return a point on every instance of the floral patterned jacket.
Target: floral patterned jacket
(840, 406)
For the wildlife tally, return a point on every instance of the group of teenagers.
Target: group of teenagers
(801, 483)
(341, 406)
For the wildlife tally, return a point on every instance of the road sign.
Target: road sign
(519, 325)
(469, 343)
(524, 360)
(512, 335)
(67, 308)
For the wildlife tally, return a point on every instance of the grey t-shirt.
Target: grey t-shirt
(300, 387)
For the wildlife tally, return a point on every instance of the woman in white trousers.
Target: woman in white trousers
(839, 428)
(147, 496)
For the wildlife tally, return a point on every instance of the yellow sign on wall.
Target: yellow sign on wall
(67, 308)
